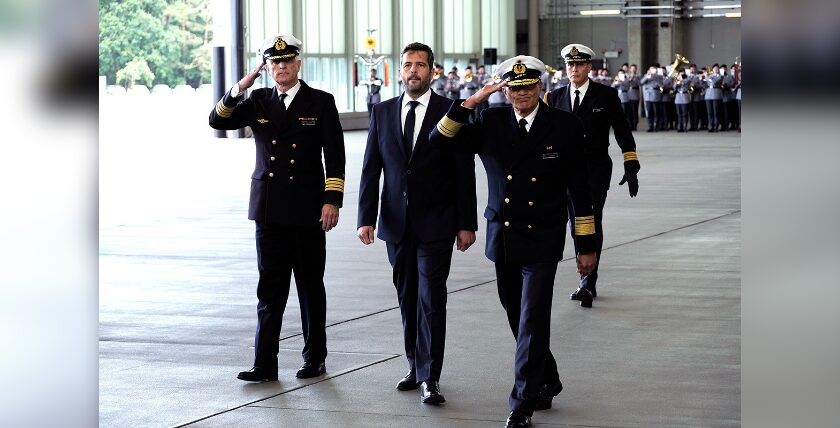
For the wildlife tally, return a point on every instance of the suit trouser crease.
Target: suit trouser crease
(420, 271)
(281, 251)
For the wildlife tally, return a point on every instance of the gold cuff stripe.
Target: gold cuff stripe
(448, 127)
(223, 110)
(336, 184)
(628, 156)
(584, 229)
(585, 225)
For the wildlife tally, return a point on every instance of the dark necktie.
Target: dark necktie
(523, 131)
(283, 102)
(408, 130)
(577, 101)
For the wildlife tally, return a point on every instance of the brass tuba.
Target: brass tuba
(679, 63)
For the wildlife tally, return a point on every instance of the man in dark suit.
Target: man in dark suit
(428, 201)
(533, 156)
(292, 202)
(598, 107)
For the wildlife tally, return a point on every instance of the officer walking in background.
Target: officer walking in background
(292, 203)
(598, 108)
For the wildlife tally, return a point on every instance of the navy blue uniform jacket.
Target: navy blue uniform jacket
(527, 181)
(288, 185)
(433, 187)
(599, 110)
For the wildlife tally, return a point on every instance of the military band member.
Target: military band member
(621, 85)
(652, 86)
(469, 85)
(292, 203)
(483, 78)
(428, 202)
(730, 105)
(714, 98)
(667, 100)
(634, 95)
(453, 85)
(597, 106)
(682, 101)
(696, 89)
(438, 83)
(533, 156)
(558, 80)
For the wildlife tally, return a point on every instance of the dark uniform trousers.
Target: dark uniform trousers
(525, 291)
(282, 250)
(420, 272)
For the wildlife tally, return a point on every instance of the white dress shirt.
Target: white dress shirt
(529, 118)
(290, 94)
(582, 90)
(419, 112)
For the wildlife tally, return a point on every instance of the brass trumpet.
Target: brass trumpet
(550, 69)
(679, 61)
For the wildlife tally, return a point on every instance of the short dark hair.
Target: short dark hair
(419, 47)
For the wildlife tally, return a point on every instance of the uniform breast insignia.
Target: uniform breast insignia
(597, 110)
(553, 155)
(307, 121)
(262, 120)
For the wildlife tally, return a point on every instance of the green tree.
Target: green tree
(172, 36)
(136, 70)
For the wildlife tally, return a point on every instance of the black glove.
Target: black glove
(631, 168)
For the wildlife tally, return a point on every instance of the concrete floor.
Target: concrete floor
(661, 347)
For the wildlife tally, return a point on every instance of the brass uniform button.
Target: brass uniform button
(530, 227)
(507, 223)
(533, 179)
(272, 158)
(530, 204)
(507, 200)
(291, 177)
(271, 174)
(510, 177)
(294, 146)
(273, 141)
(292, 161)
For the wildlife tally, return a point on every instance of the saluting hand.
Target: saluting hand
(329, 217)
(249, 79)
(485, 92)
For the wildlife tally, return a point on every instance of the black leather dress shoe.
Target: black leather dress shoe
(584, 296)
(310, 369)
(409, 382)
(546, 394)
(257, 374)
(517, 420)
(430, 393)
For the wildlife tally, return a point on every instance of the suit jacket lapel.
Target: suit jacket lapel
(585, 108)
(299, 104)
(565, 102)
(396, 125)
